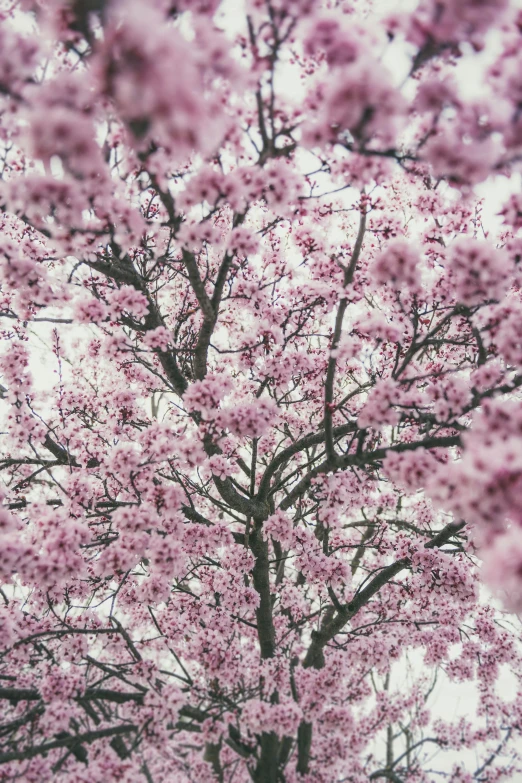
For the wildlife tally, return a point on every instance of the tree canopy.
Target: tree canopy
(261, 361)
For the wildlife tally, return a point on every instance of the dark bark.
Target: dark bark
(261, 579)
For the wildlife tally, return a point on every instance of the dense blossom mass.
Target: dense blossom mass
(261, 373)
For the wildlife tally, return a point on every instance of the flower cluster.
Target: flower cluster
(398, 265)
(480, 272)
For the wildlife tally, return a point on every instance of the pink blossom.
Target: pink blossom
(341, 44)
(361, 99)
(376, 325)
(128, 299)
(90, 310)
(378, 410)
(280, 526)
(261, 393)
(507, 337)
(454, 21)
(249, 420)
(512, 211)
(195, 235)
(411, 469)
(243, 242)
(206, 395)
(19, 56)
(398, 265)
(159, 338)
(138, 48)
(502, 566)
(459, 161)
(480, 272)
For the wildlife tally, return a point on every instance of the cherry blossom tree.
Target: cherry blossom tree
(261, 365)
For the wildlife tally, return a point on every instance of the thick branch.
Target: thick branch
(333, 624)
(332, 360)
(366, 458)
(261, 579)
(306, 442)
(69, 741)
